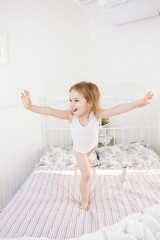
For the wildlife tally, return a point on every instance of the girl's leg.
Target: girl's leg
(83, 163)
(91, 161)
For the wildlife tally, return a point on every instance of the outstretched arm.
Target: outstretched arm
(126, 107)
(44, 110)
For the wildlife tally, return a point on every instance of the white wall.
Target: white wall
(48, 51)
(54, 43)
(47, 47)
(126, 53)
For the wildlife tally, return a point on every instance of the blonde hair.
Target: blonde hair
(90, 92)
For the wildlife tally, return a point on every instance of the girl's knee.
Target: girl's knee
(86, 177)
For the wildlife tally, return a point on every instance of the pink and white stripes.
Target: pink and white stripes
(47, 205)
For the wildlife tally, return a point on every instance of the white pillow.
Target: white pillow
(136, 154)
(60, 157)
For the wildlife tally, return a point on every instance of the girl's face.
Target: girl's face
(78, 103)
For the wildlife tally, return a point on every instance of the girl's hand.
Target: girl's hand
(26, 99)
(146, 100)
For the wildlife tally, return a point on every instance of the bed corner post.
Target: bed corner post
(159, 127)
(41, 101)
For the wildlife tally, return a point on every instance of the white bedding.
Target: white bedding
(47, 205)
(138, 226)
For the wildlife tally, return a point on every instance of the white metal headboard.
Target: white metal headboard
(137, 125)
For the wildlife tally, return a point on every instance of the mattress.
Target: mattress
(47, 204)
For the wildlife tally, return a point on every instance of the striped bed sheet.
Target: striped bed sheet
(47, 205)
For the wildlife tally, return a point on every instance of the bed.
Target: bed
(124, 188)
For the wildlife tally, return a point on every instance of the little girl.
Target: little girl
(84, 117)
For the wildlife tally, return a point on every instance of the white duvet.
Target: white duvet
(138, 226)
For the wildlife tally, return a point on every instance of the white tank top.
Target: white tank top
(85, 138)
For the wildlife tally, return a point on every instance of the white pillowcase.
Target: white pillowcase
(136, 154)
(60, 157)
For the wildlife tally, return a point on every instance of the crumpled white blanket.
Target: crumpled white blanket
(138, 226)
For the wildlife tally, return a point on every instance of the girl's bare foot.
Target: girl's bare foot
(84, 205)
(92, 161)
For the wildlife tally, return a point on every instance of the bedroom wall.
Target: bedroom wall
(47, 49)
(126, 53)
